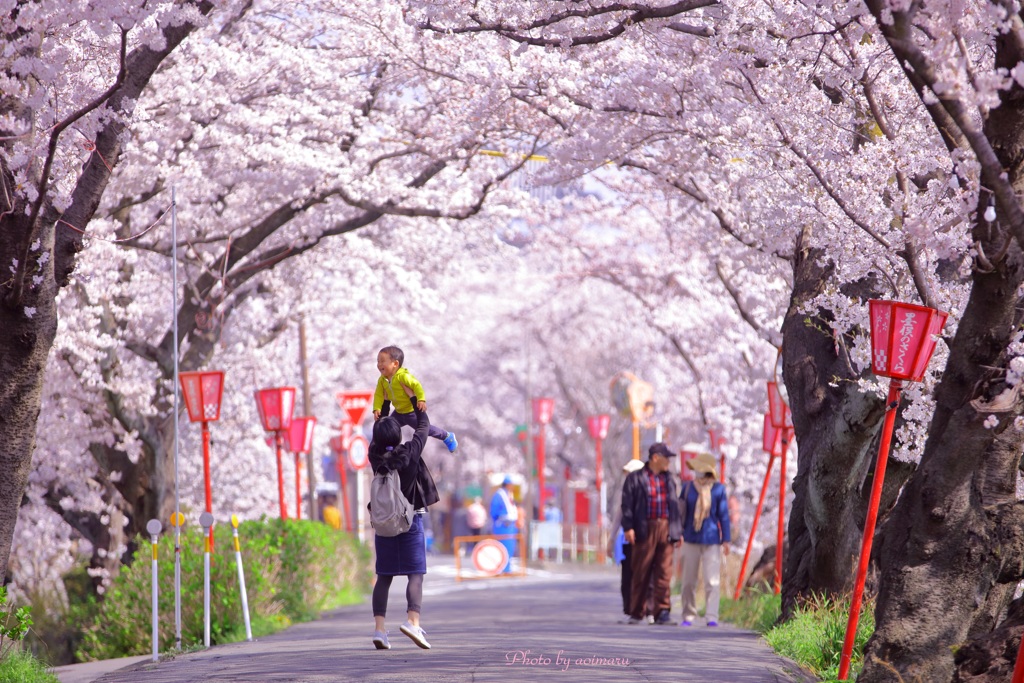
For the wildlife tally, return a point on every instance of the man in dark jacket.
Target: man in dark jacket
(653, 525)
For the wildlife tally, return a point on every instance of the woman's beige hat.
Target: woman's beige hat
(703, 463)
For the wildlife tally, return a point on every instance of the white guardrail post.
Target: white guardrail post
(153, 526)
(206, 521)
(241, 577)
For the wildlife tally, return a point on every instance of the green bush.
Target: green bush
(293, 571)
(18, 666)
(813, 637)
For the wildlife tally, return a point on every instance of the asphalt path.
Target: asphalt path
(553, 625)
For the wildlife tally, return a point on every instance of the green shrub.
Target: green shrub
(813, 637)
(293, 571)
(21, 667)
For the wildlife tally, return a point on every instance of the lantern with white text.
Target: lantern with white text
(275, 408)
(543, 409)
(902, 343)
(203, 392)
(300, 441)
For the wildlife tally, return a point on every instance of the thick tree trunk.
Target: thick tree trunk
(836, 428)
(953, 547)
(28, 315)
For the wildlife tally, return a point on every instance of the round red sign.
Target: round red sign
(490, 557)
(358, 452)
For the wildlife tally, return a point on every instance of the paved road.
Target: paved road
(552, 625)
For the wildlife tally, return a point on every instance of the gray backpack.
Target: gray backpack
(391, 513)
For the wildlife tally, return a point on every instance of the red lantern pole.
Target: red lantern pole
(278, 439)
(346, 434)
(782, 513)
(298, 487)
(753, 527)
(892, 402)
(206, 473)
(540, 472)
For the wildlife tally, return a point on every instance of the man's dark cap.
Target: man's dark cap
(660, 449)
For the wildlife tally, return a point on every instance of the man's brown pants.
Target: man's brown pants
(652, 557)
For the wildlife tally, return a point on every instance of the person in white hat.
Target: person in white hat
(621, 551)
(706, 536)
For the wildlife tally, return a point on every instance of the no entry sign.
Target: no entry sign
(490, 557)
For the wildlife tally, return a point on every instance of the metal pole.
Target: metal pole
(346, 434)
(153, 526)
(782, 513)
(892, 403)
(307, 409)
(206, 521)
(753, 527)
(280, 475)
(177, 502)
(540, 473)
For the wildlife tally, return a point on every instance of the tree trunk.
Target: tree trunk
(836, 427)
(953, 547)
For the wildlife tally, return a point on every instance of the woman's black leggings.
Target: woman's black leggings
(413, 594)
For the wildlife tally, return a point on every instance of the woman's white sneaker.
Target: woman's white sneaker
(416, 634)
(380, 640)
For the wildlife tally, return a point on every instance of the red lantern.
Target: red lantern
(275, 407)
(203, 392)
(543, 408)
(300, 434)
(903, 338)
(689, 452)
(771, 439)
(777, 408)
(598, 425)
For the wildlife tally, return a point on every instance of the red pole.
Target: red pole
(600, 468)
(280, 476)
(346, 433)
(1018, 670)
(782, 514)
(206, 472)
(298, 488)
(721, 467)
(540, 473)
(753, 527)
(892, 403)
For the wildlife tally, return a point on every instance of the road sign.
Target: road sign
(490, 557)
(355, 404)
(358, 452)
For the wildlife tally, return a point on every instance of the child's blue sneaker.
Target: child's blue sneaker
(451, 442)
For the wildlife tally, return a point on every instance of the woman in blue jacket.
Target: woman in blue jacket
(705, 537)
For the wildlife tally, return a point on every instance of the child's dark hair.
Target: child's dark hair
(394, 353)
(386, 432)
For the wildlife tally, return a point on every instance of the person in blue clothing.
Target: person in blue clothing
(505, 518)
(706, 537)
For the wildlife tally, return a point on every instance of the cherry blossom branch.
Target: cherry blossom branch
(636, 13)
(758, 328)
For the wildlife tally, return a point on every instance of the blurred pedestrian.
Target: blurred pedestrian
(505, 518)
(476, 520)
(621, 552)
(652, 523)
(404, 554)
(706, 536)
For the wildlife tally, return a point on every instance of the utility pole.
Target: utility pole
(307, 410)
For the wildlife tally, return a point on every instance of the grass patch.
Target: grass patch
(813, 637)
(21, 667)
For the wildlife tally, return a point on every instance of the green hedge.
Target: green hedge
(293, 571)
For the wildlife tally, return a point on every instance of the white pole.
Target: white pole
(177, 506)
(206, 521)
(241, 578)
(153, 526)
